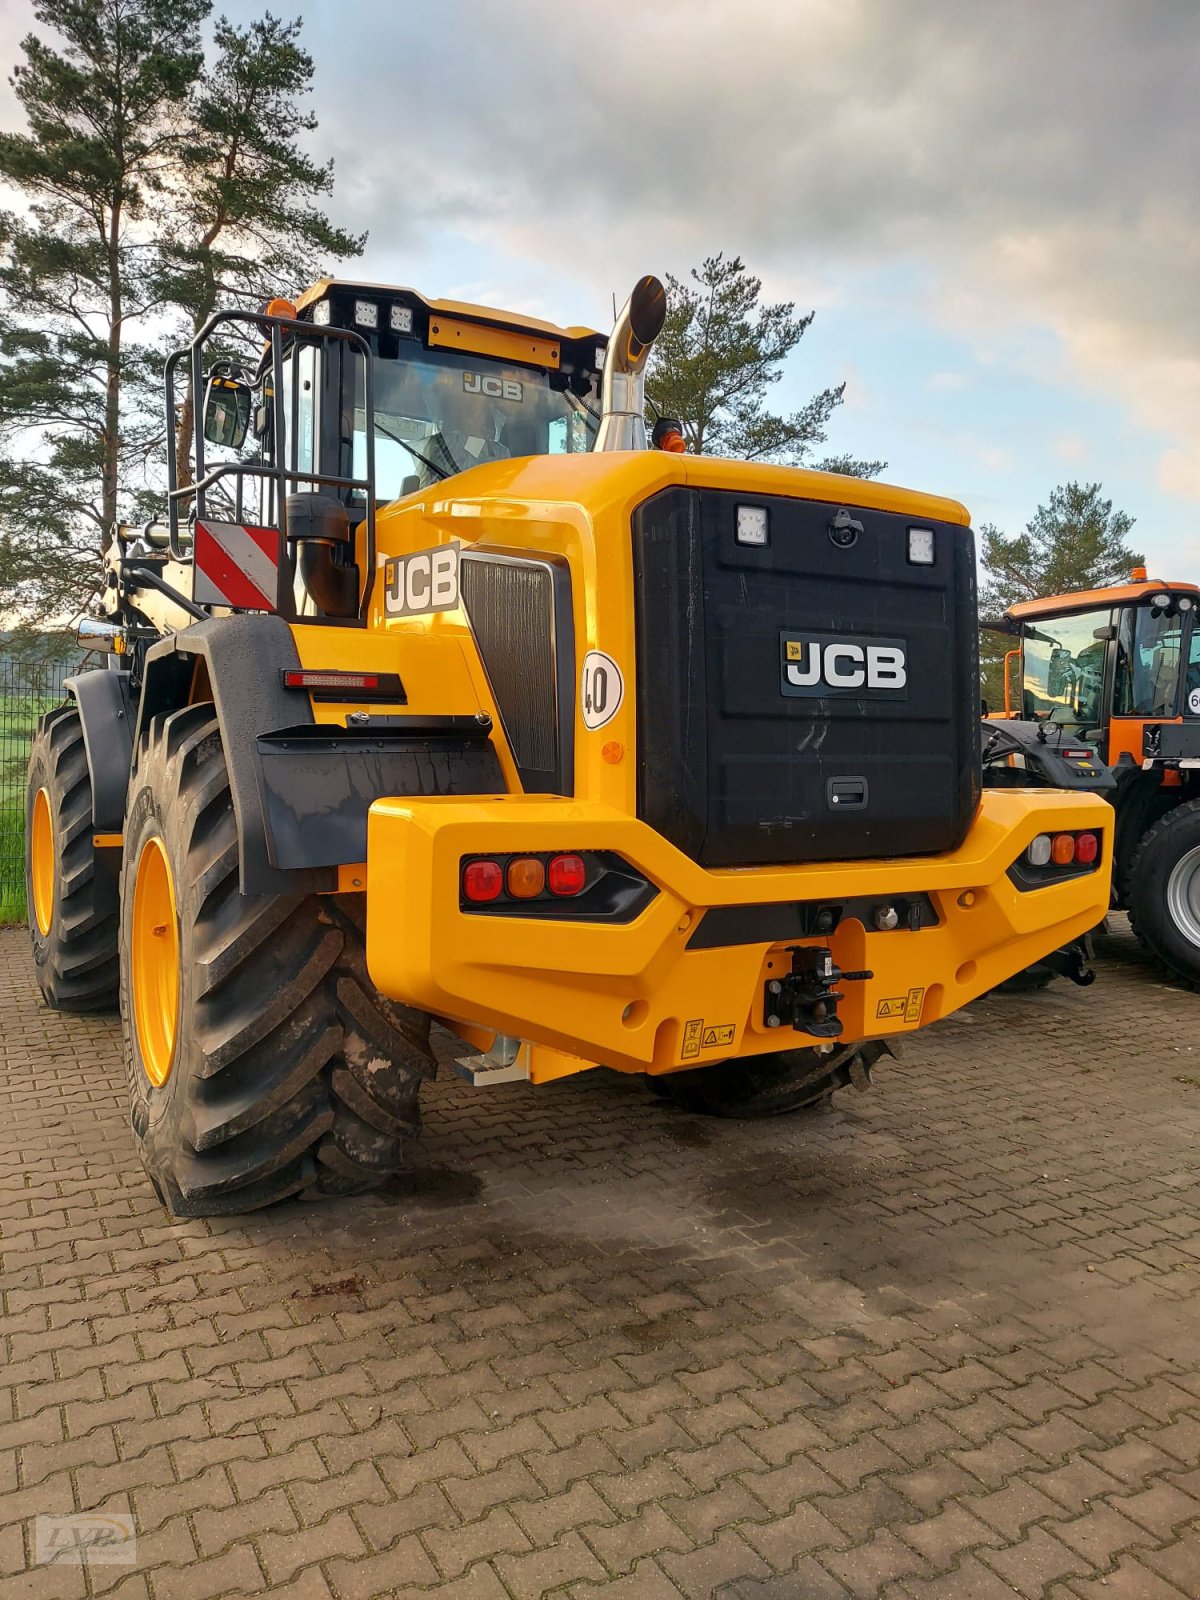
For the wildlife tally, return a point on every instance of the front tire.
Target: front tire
(770, 1085)
(71, 897)
(1164, 893)
(262, 1062)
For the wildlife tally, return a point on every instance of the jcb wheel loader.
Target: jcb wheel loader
(438, 695)
(1109, 687)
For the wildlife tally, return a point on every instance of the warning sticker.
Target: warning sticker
(719, 1035)
(697, 1036)
(901, 1007)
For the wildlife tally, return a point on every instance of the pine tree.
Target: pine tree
(1076, 541)
(243, 221)
(105, 105)
(716, 360)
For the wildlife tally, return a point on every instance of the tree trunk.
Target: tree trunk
(110, 466)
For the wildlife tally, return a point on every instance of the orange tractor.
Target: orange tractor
(1110, 678)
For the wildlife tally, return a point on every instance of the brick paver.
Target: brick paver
(941, 1341)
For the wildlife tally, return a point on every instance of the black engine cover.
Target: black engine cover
(812, 699)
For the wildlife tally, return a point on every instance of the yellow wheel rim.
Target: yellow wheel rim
(41, 862)
(154, 978)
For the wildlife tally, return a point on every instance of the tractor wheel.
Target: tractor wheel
(262, 1062)
(72, 899)
(1164, 893)
(769, 1085)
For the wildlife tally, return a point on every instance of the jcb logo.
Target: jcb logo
(495, 388)
(822, 665)
(426, 580)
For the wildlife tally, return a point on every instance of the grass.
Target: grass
(12, 859)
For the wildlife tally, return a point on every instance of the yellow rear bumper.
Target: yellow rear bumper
(634, 996)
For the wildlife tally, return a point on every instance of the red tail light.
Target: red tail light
(330, 680)
(566, 875)
(482, 881)
(1087, 848)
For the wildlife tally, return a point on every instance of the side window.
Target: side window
(1191, 696)
(306, 409)
(1124, 697)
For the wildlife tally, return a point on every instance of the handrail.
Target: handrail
(277, 472)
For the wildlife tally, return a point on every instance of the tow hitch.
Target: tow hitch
(808, 997)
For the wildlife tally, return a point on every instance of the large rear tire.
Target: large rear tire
(1164, 893)
(71, 897)
(770, 1085)
(262, 1062)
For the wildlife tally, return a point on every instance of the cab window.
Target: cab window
(1149, 645)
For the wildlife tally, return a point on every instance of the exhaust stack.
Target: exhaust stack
(623, 382)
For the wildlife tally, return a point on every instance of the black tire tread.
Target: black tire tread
(77, 965)
(769, 1085)
(276, 1099)
(1145, 901)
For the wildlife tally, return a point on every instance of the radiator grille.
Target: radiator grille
(511, 607)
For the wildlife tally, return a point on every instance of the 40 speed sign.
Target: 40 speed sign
(602, 690)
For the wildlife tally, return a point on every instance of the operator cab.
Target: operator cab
(1106, 665)
(454, 385)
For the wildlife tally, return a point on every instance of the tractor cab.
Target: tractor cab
(1117, 669)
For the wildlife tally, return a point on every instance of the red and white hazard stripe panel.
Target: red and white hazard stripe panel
(235, 564)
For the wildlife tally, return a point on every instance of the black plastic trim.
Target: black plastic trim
(318, 784)
(1027, 877)
(560, 779)
(106, 713)
(779, 921)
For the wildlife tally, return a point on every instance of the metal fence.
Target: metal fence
(31, 682)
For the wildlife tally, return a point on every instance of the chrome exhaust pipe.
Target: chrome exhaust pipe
(623, 382)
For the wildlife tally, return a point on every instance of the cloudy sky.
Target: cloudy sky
(991, 206)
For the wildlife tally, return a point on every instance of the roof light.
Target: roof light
(321, 314)
(1185, 603)
(920, 547)
(1160, 599)
(281, 308)
(1137, 575)
(752, 525)
(599, 357)
(401, 320)
(366, 314)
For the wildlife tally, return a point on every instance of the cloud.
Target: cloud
(1179, 473)
(1031, 167)
(1069, 447)
(1034, 162)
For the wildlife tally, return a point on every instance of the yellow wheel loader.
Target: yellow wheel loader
(439, 694)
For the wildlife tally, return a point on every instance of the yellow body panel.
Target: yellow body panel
(504, 344)
(624, 995)
(633, 996)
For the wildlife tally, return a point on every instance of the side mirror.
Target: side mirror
(226, 411)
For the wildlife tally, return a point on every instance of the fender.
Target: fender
(106, 711)
(301, 791)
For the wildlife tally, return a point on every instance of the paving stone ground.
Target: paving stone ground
(941, 1343)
